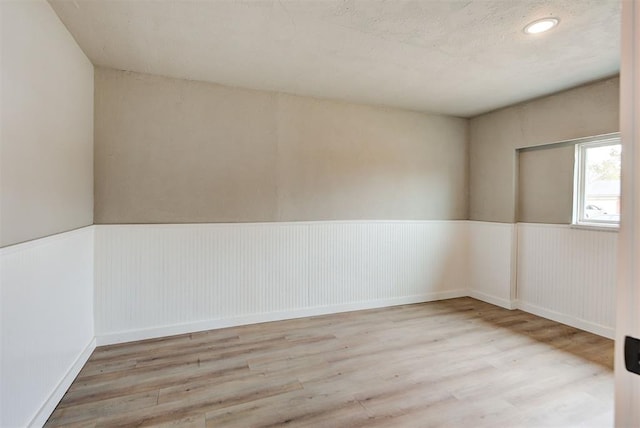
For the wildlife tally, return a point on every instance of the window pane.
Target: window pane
(602, 184)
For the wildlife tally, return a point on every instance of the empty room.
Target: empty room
(319, 213)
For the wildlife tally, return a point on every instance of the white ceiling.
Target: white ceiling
(453, 57)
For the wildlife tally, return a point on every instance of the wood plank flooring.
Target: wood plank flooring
(453, 363)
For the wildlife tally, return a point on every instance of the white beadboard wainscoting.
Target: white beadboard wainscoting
(155, 280)
(568, 275)
(142, 281)
(46, 329)
(492, 249)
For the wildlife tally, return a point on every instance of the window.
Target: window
(597, 182)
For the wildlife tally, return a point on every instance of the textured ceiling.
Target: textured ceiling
(453, 57)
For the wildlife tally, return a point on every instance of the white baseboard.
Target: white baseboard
(49, 406)
(591, 327)
(171, 330)
(498, 301)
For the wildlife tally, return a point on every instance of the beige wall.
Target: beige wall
(545, 185)
(494, 137)
(169, 150)
(46, 149)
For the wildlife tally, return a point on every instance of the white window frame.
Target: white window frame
(579, 181)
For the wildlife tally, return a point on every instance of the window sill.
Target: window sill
(596, 227)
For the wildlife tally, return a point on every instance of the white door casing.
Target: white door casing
(627, 385)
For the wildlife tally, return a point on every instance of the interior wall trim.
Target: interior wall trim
(568, 275)
(491, 266)
(172, 330)
(206, 275)
(49, 406)
(46, 322)
(488, 298)
(592, 327)
(265, 272)
(299, 269)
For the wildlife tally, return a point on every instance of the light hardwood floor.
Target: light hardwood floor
(453, 363)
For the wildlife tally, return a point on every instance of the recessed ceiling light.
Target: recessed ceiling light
(541, 25)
